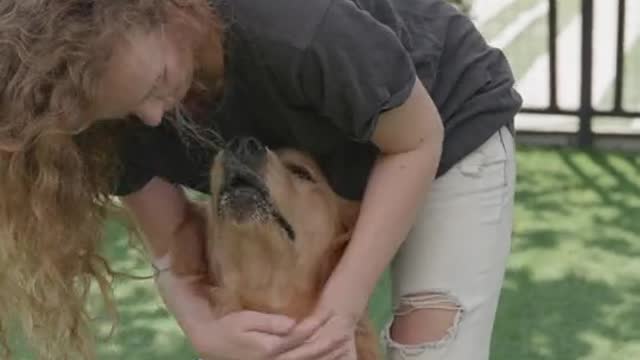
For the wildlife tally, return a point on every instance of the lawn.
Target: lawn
(572, 288)
(571, 291)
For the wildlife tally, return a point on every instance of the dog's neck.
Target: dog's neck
(262, 273)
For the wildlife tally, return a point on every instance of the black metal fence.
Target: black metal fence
(586, 111)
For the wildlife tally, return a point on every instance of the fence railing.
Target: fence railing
(586, 111)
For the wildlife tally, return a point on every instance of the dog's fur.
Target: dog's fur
(252, 259)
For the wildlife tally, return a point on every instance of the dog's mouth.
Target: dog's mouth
(245, 198)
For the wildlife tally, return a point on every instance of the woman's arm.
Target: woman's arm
(410, 139)
(174, 231)
(167, 219)
(161, 211)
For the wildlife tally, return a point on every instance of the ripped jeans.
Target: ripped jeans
(448, 274)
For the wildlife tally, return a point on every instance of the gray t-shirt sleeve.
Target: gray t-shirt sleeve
(355, 68)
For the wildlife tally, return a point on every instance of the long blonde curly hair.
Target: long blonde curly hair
(57, 167)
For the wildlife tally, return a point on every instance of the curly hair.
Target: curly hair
(57, 167)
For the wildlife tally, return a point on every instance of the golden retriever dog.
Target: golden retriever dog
(276, 230)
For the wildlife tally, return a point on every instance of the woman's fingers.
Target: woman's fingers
(326, 347)
(302, 333)
(265, 323)
(339, 353)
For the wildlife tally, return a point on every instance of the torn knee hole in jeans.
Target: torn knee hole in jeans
(425, 320)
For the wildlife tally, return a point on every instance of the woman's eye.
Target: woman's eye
(300, 172)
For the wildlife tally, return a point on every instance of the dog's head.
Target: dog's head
(274, 215)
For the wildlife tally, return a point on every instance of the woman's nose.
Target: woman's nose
(151, 113)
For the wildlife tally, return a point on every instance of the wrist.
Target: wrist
(161, 264)
(186, 299)
(345, 293)
(344, 305)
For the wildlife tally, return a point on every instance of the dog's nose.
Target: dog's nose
(248, 150)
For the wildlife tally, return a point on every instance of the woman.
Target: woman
(402, 103)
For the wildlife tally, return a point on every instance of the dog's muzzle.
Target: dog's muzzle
(244, 195)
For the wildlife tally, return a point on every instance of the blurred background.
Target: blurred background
(572, 289)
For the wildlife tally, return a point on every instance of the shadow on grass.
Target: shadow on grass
(615, 178)
(546, 332)
(601, 189)
(145, 329)
(570, 291)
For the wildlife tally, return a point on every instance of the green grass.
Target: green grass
(571, 291)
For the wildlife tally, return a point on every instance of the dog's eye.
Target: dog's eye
(300, 172)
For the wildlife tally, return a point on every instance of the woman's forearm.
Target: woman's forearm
(410, 139)
(159, 210)
(174, 231)
(173, 227)
(396, 189)
(185, 299)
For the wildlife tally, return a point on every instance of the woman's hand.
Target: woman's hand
(236, 336)
(334, 340)
(253, 335)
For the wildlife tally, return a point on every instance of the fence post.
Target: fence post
(585, 134)
(619, 81)
(553, 55)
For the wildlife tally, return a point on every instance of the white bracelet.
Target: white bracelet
(161, 264)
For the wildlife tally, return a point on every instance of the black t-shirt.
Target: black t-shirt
(315, 75)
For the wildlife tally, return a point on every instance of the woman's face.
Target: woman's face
(147, 75)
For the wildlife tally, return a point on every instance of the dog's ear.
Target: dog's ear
(207, 211)
(188, 257)
(334, 253)
(348, 213)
